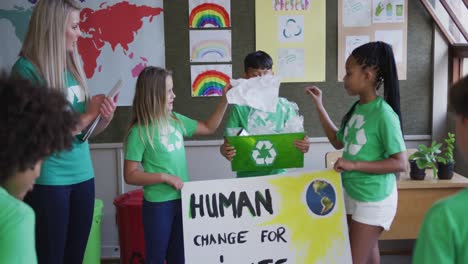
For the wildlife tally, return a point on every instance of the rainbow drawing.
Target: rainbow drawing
(211, 50)
(209, 15)
(209, 83)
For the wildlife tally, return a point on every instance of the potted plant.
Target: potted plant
(446, 162)
(424, 158)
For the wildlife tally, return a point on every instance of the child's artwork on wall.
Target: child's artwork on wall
(288, 5)
(353, 42)
(291, 28)
(209, 13)
(388, 11)
(388, 24)
(209, 80)
(357, 13)
(296, 38)
(291, 63)
(395, 39)
(210, 46)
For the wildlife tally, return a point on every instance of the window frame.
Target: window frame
(457, 51)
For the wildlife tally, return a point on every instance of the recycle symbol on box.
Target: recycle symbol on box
(264, 153)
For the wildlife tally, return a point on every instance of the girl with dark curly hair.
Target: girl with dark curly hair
(37, 121)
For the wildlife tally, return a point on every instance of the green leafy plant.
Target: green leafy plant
(448, 150)
(426, 157)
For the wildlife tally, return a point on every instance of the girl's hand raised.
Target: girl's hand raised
(315, 93)
(174, 181)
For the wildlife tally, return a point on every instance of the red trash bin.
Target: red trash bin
(130, 225)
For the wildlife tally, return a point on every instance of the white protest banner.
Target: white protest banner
(292, 218)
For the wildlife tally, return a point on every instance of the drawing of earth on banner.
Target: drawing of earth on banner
(296, 218)
(119, 38)
(321, 197)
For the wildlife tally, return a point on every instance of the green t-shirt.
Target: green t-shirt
(372, 133)
(168, 155)
(248, 118)
(443, 237)
(65, 167)
(17, 242)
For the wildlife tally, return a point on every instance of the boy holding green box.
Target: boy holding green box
(259, 63)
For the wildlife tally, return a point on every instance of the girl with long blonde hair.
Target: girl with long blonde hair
(63, 196)
(155, 139)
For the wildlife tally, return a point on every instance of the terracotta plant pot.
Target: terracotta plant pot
(445, 171)
(415, 172)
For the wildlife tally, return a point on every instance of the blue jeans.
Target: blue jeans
(64, 214)
(162, 226)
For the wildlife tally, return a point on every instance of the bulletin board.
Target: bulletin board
(363, 21)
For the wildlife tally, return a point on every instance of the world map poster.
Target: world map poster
(119, 38)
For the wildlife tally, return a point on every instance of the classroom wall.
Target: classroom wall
(416, 91)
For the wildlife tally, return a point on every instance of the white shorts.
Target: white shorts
(379, 213)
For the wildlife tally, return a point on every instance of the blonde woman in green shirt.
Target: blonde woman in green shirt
(443, 237)
(155, 139)
(63, 195)
(374, 149)
(36, 122)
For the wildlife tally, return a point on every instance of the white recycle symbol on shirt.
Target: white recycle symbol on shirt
(259, 120)
(356, 122)
(165, 139)
(267, 147)
(75, 91)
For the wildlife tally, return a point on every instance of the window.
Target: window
(451, 17)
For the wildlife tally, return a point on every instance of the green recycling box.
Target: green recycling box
(264, 152)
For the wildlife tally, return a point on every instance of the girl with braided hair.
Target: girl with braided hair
(374, 149)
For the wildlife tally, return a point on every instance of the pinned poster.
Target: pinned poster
(294, 25)
(209, 13)
(356, 13)
(295, 218)
(395, 39)
(291, 28)
(111, 45)
(210, 46)
(209, 80)
(385, 21)
(353, 42)
(291, 63)
(388, 11)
